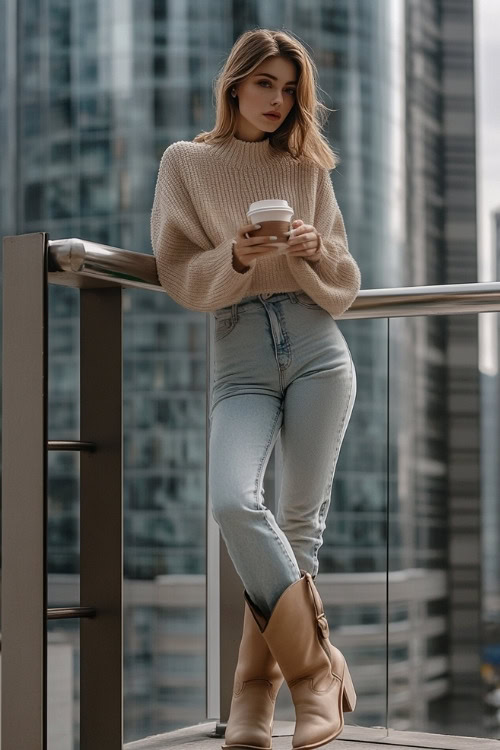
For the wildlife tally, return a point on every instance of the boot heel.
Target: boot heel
(349, 694)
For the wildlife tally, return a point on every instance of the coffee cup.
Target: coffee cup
(274, 217)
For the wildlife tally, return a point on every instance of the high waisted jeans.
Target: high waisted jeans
(281, 363)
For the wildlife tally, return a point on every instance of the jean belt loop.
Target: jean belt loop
(234, 312)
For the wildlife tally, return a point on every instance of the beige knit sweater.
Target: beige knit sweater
(201, 197)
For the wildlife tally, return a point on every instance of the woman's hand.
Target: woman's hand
(304, 240)
(247, 250)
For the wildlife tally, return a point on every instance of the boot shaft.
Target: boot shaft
(297, 632)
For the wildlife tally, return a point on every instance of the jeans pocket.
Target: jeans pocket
(306, 301)
(223, 326)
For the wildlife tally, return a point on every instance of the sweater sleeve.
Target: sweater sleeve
(195, 274)
(334, 280)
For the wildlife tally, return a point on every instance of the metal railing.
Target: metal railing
(30, 263)
(71, 260)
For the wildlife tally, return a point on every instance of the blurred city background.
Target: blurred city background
(91, 94)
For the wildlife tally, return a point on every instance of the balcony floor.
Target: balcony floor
(201, 737)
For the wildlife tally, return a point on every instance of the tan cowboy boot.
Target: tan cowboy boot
(315, 671)
(257, 680)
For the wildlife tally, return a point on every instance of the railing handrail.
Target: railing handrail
(131, 269)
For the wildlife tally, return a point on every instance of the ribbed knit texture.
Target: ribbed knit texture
(202, 194)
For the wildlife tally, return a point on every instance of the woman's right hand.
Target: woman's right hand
(246, 250)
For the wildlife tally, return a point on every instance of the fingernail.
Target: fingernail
(272, 237)
(258, 226)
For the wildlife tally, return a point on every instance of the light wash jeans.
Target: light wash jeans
(281, 363)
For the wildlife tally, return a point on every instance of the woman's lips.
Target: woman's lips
(273, 117)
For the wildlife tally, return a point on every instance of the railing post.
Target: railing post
(101, 519)
(232, 608)
(224, 591)
(24, 493)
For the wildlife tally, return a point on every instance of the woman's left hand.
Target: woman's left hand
(304, 241)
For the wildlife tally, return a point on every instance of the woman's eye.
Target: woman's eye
(292, 90)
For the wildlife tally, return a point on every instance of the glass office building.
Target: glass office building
(91, 95)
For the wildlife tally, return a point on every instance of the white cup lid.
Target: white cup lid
(262, 205)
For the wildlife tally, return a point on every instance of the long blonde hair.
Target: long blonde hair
(300, 134)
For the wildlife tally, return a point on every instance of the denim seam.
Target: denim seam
(325, 504)
(310, 305)
(256, 492)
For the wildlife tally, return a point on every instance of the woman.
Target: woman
(281, 364)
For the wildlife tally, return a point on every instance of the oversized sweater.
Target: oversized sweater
(202, 194)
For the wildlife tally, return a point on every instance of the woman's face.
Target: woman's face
(270, 88)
